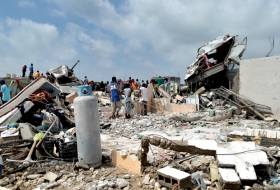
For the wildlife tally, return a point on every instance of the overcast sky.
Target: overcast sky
(122, 38)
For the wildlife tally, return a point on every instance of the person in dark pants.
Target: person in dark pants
(144, 99)
(31, 71)
(102, 86)
(24, 70)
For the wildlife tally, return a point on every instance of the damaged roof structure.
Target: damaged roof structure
(222, 52)
(203, 135)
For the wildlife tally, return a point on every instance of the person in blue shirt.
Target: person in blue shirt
(4, 91)
(114, 93)
(31, 71)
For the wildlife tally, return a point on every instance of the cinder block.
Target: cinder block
(170, 176)
(229, 179)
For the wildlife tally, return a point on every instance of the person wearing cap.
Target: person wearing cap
(159, 81)
(4, 91)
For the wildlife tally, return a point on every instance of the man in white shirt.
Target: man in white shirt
(143, 99)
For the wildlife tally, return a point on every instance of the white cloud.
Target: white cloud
(100, 48)
(27, 3)
(25, 41)
(57, 13)
(135, 35)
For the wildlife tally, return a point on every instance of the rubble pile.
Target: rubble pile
(193, 137)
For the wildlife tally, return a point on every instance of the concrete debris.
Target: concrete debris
(229, 179)
(196, 135)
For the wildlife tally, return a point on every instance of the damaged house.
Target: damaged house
(223, 53)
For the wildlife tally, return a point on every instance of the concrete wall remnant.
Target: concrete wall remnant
(259, 82)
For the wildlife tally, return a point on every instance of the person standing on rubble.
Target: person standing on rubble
(138, 83)
(134, 85)
(24, 70)
(159, 81)
(144, 99)
(155, 86)
(129, 80)
(42, 75)
(127, 100)
(37, 75)
(85, 81)
(4, 91)
(102, 86)
(31, 71)
(114, 93)
(120, 84)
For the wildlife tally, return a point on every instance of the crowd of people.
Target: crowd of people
(32, 75)
(119, 87)
(115, 89)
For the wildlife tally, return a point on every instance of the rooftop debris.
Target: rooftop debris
(222, 54)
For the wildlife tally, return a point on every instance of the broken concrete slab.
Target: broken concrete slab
(214, 172)
(228, 178)
(26, 131)
(204, 100)
(38, 84)
(50, 176)
(201, 90)
(164, 93)
(243, 156)
(259, 136)
(15, 114)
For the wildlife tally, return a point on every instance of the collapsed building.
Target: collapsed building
(223, 53)
(209, 138)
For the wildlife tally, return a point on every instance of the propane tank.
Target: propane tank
(87, 129)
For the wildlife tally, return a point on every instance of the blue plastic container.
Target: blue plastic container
(84, 90)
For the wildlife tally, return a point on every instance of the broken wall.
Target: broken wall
(259, 82)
